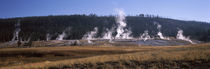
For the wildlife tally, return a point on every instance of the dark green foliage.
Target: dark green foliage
(38, 27)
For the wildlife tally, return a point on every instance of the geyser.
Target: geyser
(64, 34)
(108, 34)
(122, 33)
(16, 33)
(145, 36)
(182, 37)
(48, 37)
(91, 35)
(159, 31)
(61, 36)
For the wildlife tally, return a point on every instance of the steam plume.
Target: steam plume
(108, 35)
(182, 37)
(145, 36)
(159, 31)
(61, 36)
(17, 30)
(48, 37)
(122, 33)
(91, 35)
(64, 34)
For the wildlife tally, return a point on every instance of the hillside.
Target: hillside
(36, 28)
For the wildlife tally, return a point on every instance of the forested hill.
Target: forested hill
(38, 27)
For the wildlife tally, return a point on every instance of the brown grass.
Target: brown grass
(93, 57)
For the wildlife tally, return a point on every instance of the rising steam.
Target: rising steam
(182, 37)
(108, 34)
(91, 35)
(159, 31)
(61, 36)
(145, 36)
(16, 33)
(48, 37)
(122, 33)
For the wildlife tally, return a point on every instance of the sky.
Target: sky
(198, 10)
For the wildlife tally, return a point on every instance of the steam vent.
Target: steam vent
(104, 34)
(118, 35)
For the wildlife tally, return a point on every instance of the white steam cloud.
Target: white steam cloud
(145, 36)
(61, 36)
(122, 33)
(159, 31)
(108, 35)
(182, 37)
(16, 33)
(91, 35)
(48, 37)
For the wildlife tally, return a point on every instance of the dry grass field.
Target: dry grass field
(107, 57)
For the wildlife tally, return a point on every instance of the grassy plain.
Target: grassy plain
(107, 57)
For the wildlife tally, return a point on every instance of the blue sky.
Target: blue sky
(198, 10)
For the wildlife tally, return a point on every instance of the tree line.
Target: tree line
(38, 27)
